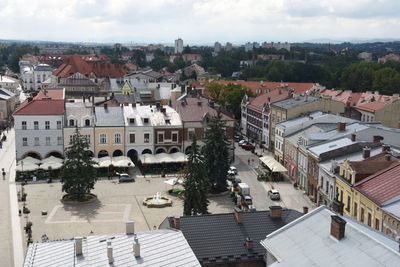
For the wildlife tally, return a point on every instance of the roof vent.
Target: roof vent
(248, 243)
(110, 254)
(136, 247)
(78, 246)
(130, 227)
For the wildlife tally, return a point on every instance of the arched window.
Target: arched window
(71, 122)
(87, 122)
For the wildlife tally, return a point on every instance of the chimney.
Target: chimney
(269, 99)
(177, 222)
(341, 126)
(78, 246)
(110, 254)
(376, 139)
(130, 227)
(385, 148)
(238, 214)
(305, 210)
(338, 226)
(248, 243)
(353, 137)
(388, 157)
(275, 212)
(105, 106)
(136, 248)
(31, 98)
(366, 152)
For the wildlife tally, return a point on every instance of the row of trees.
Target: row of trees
(207, 168)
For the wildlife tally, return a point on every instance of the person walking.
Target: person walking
(3, 173)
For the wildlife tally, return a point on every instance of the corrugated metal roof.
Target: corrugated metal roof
(157, 248)
(110, 116)
(307, 242)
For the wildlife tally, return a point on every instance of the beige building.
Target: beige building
(389, 115)
(298, 106)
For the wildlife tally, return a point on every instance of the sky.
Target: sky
(199, 21)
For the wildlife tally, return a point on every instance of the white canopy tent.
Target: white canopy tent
(163, 158)
(51, 164)
(26, 167)
(28, 159)
(51, 159)
(120, 161)
(272, 164)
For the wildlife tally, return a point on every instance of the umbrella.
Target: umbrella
(28, 160)
(52, 159)
(122, 161)
(104, 162)
(27, 167)
(174, 181)
(179, 157)
(52, 165)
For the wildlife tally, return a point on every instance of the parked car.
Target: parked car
(237, 138)
(232, 170)
(248, 146)
(124, 177)
(241, 142)
(274, 194)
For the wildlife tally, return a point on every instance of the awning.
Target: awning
(27, 167)
(120, 161)
(272, 164)
(52, 159)
(163, 158)
(29, 160)
(51, 165)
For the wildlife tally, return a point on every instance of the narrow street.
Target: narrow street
(291, 198)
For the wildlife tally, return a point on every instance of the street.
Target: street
(291, 198)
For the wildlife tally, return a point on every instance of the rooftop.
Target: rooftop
(155, 115)
(218, 238)
(157, 248)
(295, 102)
(46, 102)
(274, 95)
(109, 116)
(307, 242)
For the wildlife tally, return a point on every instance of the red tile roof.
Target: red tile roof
(382, 186)
(270, 97)
(371, 106)
(76, 64)
(46, 102)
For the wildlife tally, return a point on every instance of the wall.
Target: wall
(344, 190)
(391, 225)
(68, 131)
(389, 115)
(369, 207)
(139, 144)
(110, 147)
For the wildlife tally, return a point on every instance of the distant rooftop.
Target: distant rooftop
(295, 102)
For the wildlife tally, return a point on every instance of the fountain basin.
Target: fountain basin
(157, 201)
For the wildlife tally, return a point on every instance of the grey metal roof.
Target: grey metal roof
(218, 238)
(110, 116)
(43, 67)
(293, 102)
(307, 242)
(393, 207)
(157, 248)
(6, 94)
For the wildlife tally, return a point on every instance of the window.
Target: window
(175, 137)
(36, 125)
(37, 141)
(191, 134)
(168, 122)
(59, 140)
(369, 219)
(362, 215)
(103, 138)
(24, 125)
(326, 187)
(71, 123)
(147, 138)
(348, 203)
(145, 120)
(24, 141)
(132, 138)
(87, 122)
(131, 120)
(161, 137)
(71, 137)
(377, 224)
(47, 141)
(47, 125)
(355, 210)
(58, 125)
(117, 138)
(341, 195)
(87, 137)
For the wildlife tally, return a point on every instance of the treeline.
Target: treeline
(10, 55)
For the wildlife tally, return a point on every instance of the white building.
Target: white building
(33, 76)
(217, 47)
(178, 46)
(138, 130)
(9, 83)
(38, 125)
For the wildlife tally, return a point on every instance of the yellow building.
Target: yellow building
(109, 132)
(127, 88)
(366, 211)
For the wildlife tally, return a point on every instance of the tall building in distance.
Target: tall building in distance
(228, 46)
(217, 47)
(178, 46)
(277, 45)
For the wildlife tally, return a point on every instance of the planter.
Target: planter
(72, 199)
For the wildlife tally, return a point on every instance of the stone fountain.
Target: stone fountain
(157, 201)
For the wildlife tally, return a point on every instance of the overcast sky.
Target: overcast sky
(198, 21)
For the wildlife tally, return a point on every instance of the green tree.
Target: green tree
(78, 173)
(195, 184)
(386, 81)
(215, 91)
(216, 153)
(233, 95)
(139, 57)
(359, 76)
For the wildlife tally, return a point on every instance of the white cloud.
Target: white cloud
(198, 21)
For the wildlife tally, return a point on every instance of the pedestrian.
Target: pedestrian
(4, 174)
(248, 161)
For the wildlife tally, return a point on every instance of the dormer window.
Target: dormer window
(87, 122)
(131, 120)
(145, 120)
(168, 122)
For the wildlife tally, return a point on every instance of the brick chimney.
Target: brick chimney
(275, 212)
(376, 138)
(130, 227)
(338, 226)
(237, 212)
(341, 126)
(177, 222)
(385, 148)
(105, 106)
(366, 152)
(248, 243)
(353, 137)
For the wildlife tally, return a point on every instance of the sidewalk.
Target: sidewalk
(11, 250)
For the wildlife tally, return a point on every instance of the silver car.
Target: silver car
(124, 177)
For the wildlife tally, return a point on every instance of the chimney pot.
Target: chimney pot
(341, 126)
(275, 212)
(130, 227)
(376, 139)
(353, 137)
(78, 246)
(338, 226)
(238, 214)
(366, 152)
(305, 210)
(177, 222)
(136, 248)
(248, 243)
(110, 254)
(385, 148)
